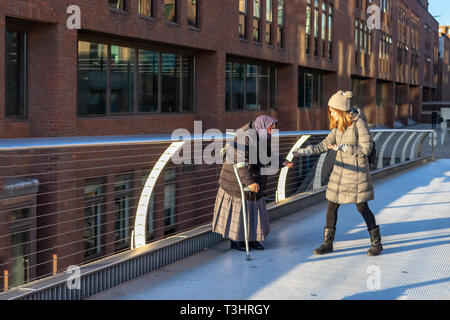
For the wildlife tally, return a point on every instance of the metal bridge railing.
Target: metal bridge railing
(71, 201)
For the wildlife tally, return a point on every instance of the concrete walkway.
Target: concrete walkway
(413, 211)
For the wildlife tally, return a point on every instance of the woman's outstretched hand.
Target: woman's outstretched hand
(288, 164)
(302, 152)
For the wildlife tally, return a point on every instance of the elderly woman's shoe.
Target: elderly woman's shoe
(256, 245)
(238, 245)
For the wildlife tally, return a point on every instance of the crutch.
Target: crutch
(244, 208)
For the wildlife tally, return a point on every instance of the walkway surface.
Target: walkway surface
(413, 211)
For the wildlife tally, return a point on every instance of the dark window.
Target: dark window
(243, 19)
(310, 88)
(256, 20)
(122, 205)
(93, 211)
(308, 28)
(92, 78)
(250, 87)
(330, 32)
(269, 19)
(170, 10)
(238, 90)
(188, 83)
(192, 12)
(148, 71)
(16, 74)
(170, 82)
(280, 32)
(122, 79)
(165, 82)
(169, 201)
(146, 8)
(118, 4)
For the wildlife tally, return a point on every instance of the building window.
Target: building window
(122, 79)
(308, 27)
(169, 201)
(150, 222)
(316, 27)
(165, 82)
(280, 37)
(256, 20)
(92, 78)
(269, 20)
(170, 82)
(324, 30)
(171, 10)
(146, 8)
(118, 4)
(16, 74)
(192, 12)
(250, 87)
(330, 32)
(243, 19)
(147, 86)
(310, 88)
(93, 209)
(122, 208)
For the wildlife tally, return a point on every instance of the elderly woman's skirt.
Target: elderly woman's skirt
(228, 222)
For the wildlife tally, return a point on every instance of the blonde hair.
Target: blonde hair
(344, 121)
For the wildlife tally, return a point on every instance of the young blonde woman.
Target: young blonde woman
(350, 181)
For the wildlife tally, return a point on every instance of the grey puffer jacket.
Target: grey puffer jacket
(350, 181)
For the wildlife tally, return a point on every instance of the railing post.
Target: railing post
(55, 264)
(5, 280)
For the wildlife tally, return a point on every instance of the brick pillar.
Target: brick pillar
(287, 97)
(210, 88)
(2, 77)
(388, 103)
(370, 108)
(52, 80)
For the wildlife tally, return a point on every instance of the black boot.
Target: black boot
(375, 240)
(256, 245)
(327, 245)
(238, 245)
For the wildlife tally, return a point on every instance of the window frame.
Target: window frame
(23, 109)
(272, 77)
(180, 54)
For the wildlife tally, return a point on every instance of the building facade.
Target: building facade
(152, 66)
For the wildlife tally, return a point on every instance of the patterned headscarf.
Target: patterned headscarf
(261, 124)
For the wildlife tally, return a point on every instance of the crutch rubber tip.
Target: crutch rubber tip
(248, 258)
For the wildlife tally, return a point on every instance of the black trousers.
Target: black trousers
(363, 209)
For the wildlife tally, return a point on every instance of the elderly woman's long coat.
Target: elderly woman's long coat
(350, 181)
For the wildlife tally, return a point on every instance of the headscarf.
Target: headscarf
(261, 124)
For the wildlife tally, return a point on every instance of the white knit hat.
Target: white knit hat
(341, 100)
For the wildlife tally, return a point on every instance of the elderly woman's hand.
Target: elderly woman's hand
(288, 164)
(254, 187)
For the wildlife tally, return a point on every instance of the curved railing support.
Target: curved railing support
(383, 148)
(139, 233)
(419, 140)
(405, 147)
(281, 188)
(394, 150)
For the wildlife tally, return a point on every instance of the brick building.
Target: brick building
(151, 66)
(444, 65)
